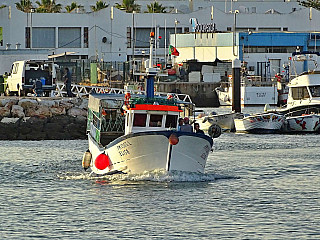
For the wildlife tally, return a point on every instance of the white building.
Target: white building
(111, 34)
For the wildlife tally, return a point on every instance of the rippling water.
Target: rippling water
(255, 187)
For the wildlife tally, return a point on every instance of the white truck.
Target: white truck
(25, 73)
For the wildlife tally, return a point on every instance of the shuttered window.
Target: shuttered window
(43, 37)
(69, 37)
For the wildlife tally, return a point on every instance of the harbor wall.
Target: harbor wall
(202, 94)
(43, 118)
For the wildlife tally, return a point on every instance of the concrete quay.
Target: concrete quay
(34, 118)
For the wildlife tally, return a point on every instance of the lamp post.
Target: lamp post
(133, 45)
(176, 22)
(32, 10)
(234, 31)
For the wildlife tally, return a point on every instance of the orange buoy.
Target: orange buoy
(173, 139)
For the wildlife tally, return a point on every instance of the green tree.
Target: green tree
(24, 5)
(155, 8)
(99, 5)
(48, 6)
(129, 6)
(72, 7)
(310, 3)
(2, 6)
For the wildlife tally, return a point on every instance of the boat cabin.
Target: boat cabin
(151, 117)
(304, 87)
(106, 119)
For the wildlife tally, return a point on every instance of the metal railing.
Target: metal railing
(84, 90)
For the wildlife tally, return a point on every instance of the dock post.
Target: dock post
(236, 92)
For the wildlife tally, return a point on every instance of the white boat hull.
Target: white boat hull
(250, 96)
(225, 121)
(307, 123)
(264, 123)
(148, 151)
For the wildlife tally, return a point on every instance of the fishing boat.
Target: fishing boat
(260, 123)
(151, 140)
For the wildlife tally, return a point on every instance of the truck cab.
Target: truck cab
(24, 74)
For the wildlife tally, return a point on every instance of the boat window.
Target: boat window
(139, 120)
(315, 91)
(155, 120)
(300, 93)
(171, 121)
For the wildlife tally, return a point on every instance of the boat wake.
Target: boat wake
(152, 176)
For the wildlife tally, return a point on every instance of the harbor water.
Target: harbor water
(255, 187)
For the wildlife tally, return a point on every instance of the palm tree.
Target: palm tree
(48, 6)
(155, 8)
(24, 5)
(129, 6)
(2, 6)
(99, 5)
(310, 3)
(72, 7)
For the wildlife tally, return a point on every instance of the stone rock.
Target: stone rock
(7, 120)
(66, 104)
(76, 112)
(47, 103)
(58, 110)
(17, 111)
(84, 104)
(28, 103)
(5, 112)
(43, 112)
(11, 102)
(3, 102)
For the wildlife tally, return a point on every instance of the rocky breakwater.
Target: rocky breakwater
(43, 118)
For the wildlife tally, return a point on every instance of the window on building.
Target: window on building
(171, 121)
(85, 37)
(253, 9)
(299, 93)
(43, 37)
(128, 37)
(229, 29)
(186, 29)
(1, 37)
(69, 37)
(27, 37)
(168, 32)
(139, 120)
(285, 29)
(269, 29)
(269, 49)
(155, 120)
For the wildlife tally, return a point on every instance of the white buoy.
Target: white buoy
(86, 160)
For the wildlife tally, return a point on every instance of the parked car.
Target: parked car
(25, 73)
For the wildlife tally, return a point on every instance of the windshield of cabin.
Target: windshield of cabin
(315, 91)
(299, 93)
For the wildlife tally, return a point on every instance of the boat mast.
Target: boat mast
(151, 71)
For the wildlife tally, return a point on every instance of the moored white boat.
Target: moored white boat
(225, 121)
(308, 123)
(260, 123)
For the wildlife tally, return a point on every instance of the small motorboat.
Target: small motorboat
(308, 123)
(260, 123)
